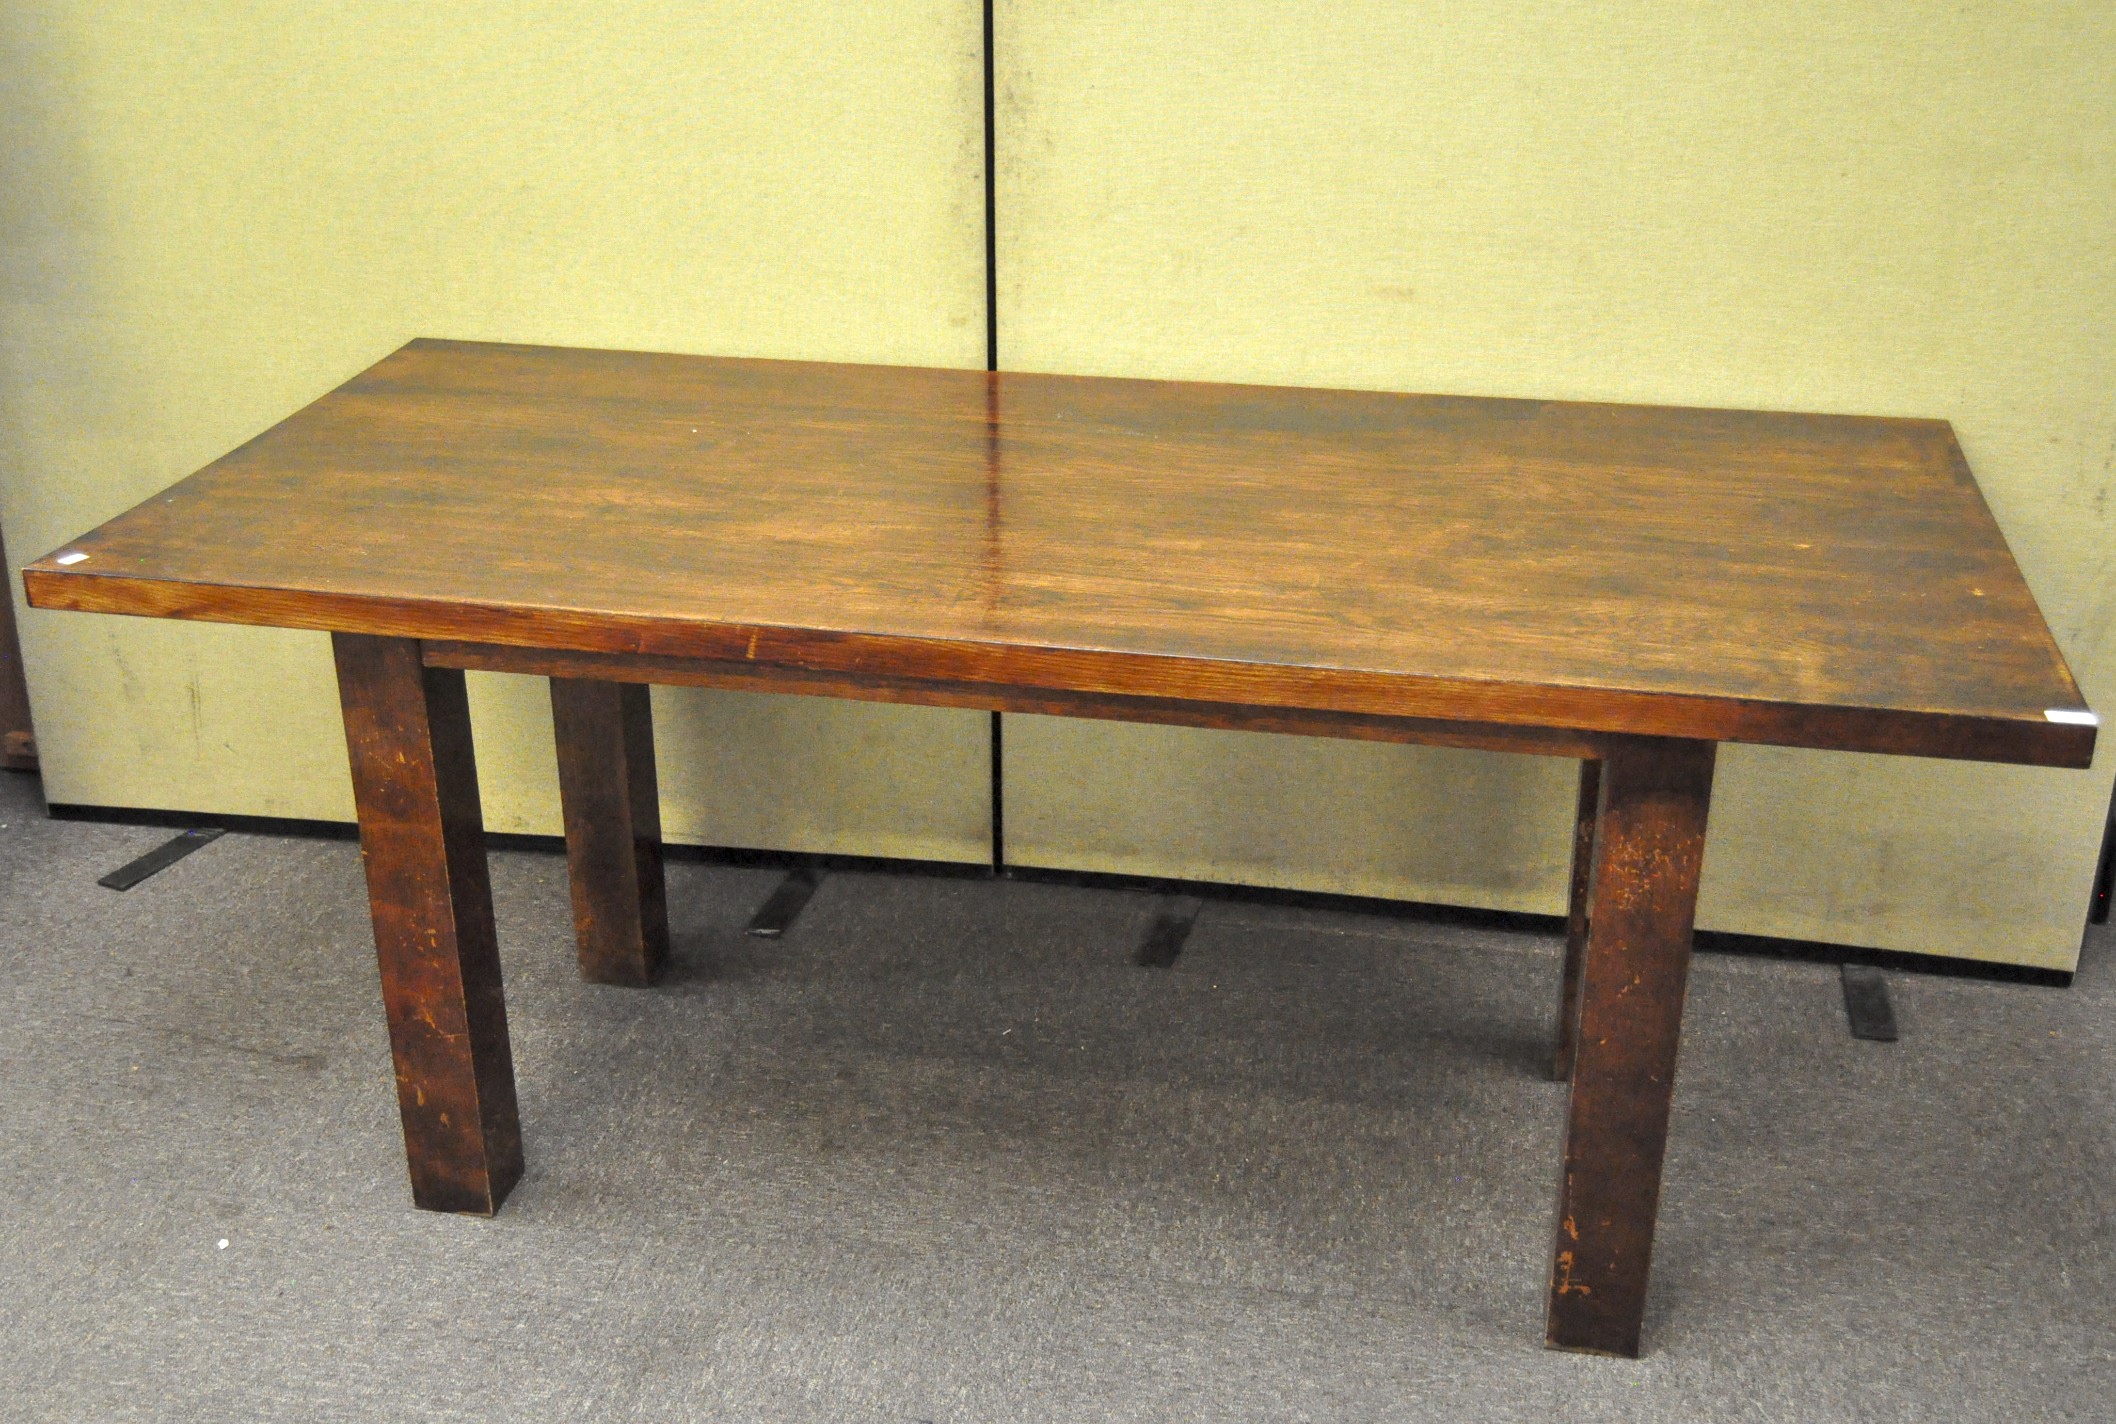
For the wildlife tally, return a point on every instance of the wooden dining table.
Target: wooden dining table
(1627, 586)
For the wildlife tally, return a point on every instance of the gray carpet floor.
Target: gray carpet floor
(943, 1153)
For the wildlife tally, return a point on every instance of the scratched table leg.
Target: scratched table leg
(613, 828)
(1649, 848)
(1568, 1035)
(422, 836)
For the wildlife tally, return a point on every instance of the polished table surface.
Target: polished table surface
(1809, 580)
(1628, 586)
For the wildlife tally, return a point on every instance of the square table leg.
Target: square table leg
(1568, 1035)
(1648, 850)
(613, 828)
(422, 836)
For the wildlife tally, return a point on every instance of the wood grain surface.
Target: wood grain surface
(1577, 908)
(1810, 580)
(1648, 851)
(917, 692)
(608, 789)
(422, 840)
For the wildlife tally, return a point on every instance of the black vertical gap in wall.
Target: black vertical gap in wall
(2098, 906)
(999, 791)
(991, 212)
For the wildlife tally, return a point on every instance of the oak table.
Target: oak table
(1628, 586)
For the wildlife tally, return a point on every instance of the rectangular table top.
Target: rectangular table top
(1810, 580)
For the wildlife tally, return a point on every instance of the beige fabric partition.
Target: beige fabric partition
(1884, 208)
(215, 212)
